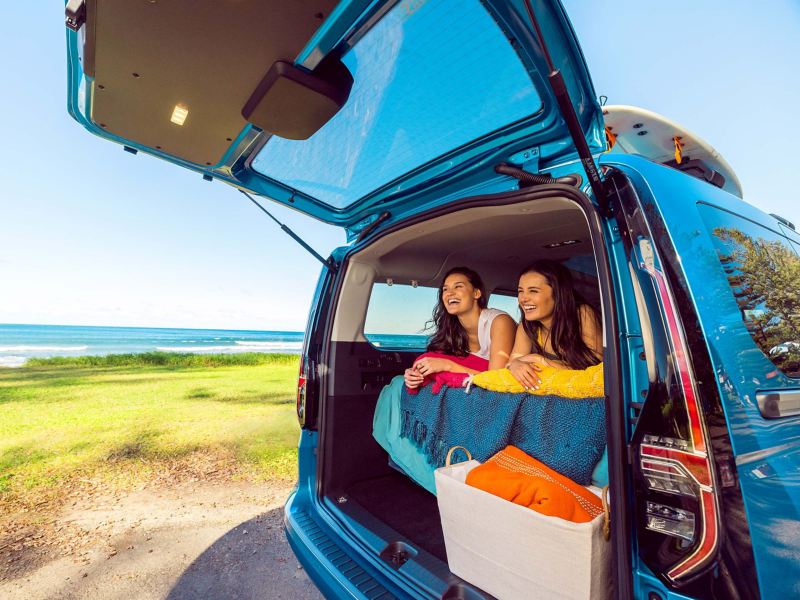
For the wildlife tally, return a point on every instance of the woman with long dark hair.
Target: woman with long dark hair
(462, 325)
(558, 327)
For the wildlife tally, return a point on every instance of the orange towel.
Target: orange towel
(513, 475)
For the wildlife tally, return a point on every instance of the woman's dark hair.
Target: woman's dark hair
(449, 337)
(565, 329)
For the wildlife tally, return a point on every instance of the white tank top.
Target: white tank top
(485, 330)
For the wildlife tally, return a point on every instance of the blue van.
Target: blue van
(439, 133)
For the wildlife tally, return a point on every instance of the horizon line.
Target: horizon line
(419, 334)
(149, 327)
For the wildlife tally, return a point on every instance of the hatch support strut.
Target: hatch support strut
(570, 117)
(330, 265)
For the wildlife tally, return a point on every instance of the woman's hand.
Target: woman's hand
(525, 370)
(429, 365)
(413, 378)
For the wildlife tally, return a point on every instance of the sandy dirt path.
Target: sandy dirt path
(193, 540)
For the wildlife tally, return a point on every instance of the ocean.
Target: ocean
(21, 342)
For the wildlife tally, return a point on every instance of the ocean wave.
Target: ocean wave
(12, 361)
(293, 345)
(42, 348)
(277, 346)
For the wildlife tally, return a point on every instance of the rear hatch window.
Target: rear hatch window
(429, 78)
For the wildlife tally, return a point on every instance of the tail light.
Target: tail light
(302, 381)
(677, 502)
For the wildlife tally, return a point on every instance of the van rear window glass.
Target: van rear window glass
(763, 271)
(397, 316)
(505, 302)
(428, 77)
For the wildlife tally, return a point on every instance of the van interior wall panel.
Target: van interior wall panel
(351, 308)
(354, 465)
(351, 454)
(358, 371)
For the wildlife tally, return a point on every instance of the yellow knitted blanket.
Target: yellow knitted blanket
(557, 382)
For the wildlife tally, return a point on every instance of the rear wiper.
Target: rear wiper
(329, 264)
(570, 117)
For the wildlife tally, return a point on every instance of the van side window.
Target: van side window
(397, 314)
(763, 271)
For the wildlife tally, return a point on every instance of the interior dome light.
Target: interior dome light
(179, 114)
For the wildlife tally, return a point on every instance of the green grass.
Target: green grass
(124, 417)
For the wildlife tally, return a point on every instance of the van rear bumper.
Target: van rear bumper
(330, 567)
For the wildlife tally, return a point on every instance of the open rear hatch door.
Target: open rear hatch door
(440, 92)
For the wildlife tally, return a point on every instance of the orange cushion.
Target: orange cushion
(513, 475)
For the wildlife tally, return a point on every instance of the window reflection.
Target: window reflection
(763, 270)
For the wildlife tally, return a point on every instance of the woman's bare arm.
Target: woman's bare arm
(522, 344)
(591, 331)
(521, 362)
(501, 338)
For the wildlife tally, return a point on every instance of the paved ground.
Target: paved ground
(212, 540)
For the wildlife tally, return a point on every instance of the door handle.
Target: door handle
(775, 404)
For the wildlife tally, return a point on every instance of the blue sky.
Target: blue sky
(92, 235)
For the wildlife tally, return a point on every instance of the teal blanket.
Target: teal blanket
(417, 430)
(386, 426)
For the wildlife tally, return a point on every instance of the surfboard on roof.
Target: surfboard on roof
(634, 130)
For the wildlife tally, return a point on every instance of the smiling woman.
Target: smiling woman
(558, 327)
(463, 326)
